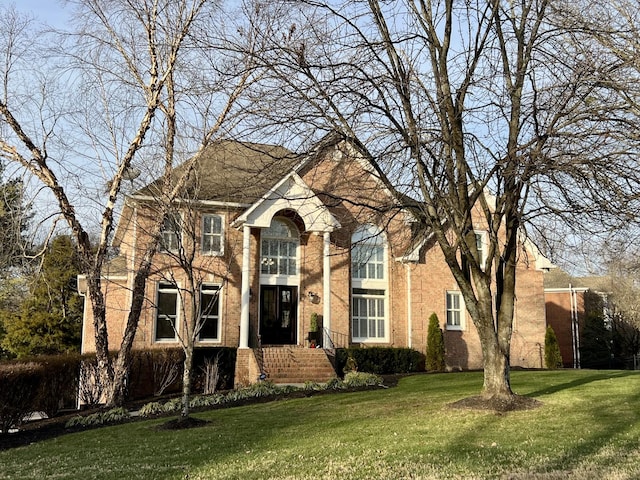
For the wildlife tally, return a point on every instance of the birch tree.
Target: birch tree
(462, 106)
(135, 68)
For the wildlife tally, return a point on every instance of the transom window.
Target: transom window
(212, 235)
(210, 313)
(279, 249)
(367, 254)
(455, 311)
(166, 312)
(369, 284)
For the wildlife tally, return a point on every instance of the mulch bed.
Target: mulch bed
(497, 404)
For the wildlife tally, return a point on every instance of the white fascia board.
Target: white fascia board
(291, 193)
(566, 289)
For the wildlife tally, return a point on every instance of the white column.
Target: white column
(245, 297)
(326, 287)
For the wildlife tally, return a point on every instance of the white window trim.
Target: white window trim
(277, 278)
(483, 240)
(463, 312)
(385, 298)
(373, 284)
(212, 253)
(178, 236)
(218, 338)
(155, 316)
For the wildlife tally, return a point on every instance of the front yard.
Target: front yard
(588, 428)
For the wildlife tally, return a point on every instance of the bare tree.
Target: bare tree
(196, 262)
(470, 108)
(134, 66)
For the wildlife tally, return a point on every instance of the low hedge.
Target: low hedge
(20, 392)
(150, 369)
(40, 384)
(380, 360)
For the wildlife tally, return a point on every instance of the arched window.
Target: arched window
(279, 248)
(369, 285)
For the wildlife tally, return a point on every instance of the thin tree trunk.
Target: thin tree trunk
(186, 382)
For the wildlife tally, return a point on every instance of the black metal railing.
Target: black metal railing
(332, 340)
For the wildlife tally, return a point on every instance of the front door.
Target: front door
(278, 314)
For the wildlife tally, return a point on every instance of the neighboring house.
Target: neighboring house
(569, 302)
(281, 238)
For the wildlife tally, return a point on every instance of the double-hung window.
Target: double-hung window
(166, 312)
(212, 235)
(369, 285)
(455, 311)
(170, 234)
(209, 326)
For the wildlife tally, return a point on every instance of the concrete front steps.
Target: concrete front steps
(294, 364)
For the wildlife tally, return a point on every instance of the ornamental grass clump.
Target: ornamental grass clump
(361, 379)
(115, 415)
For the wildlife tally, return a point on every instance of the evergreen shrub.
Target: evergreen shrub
(380, 360)
(435, 360)
(552, 357)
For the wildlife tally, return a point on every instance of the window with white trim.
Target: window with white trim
(369, 285)
(368, 318)
(481, 246)
(166, 312)
(279, 249)
(210, 313)
(212, 234)
(455, 311)
(170, 232)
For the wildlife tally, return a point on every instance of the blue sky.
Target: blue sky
(51, 12)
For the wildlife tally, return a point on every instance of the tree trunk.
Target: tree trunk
(96, 297)
(186, 382)
(497, 375)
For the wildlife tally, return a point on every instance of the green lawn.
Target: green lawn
(588, 428)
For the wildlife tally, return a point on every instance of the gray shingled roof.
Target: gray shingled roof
(236, 172)
(558, 278)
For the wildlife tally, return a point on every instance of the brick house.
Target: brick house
(570, 301)
(280, 239)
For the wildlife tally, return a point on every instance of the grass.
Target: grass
(588, 428)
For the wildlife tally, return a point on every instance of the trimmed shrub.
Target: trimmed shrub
(552, 357)
(435, 346)
(59, 387)
(158, 371)
(154, 372)
(380, 360)
(20, 392)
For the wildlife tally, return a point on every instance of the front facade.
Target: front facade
(316, 237)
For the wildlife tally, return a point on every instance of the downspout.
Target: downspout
(575, 341)
(575, 303)
(131, 273)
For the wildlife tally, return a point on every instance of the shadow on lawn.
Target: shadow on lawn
(595, 377)
(575, 457)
